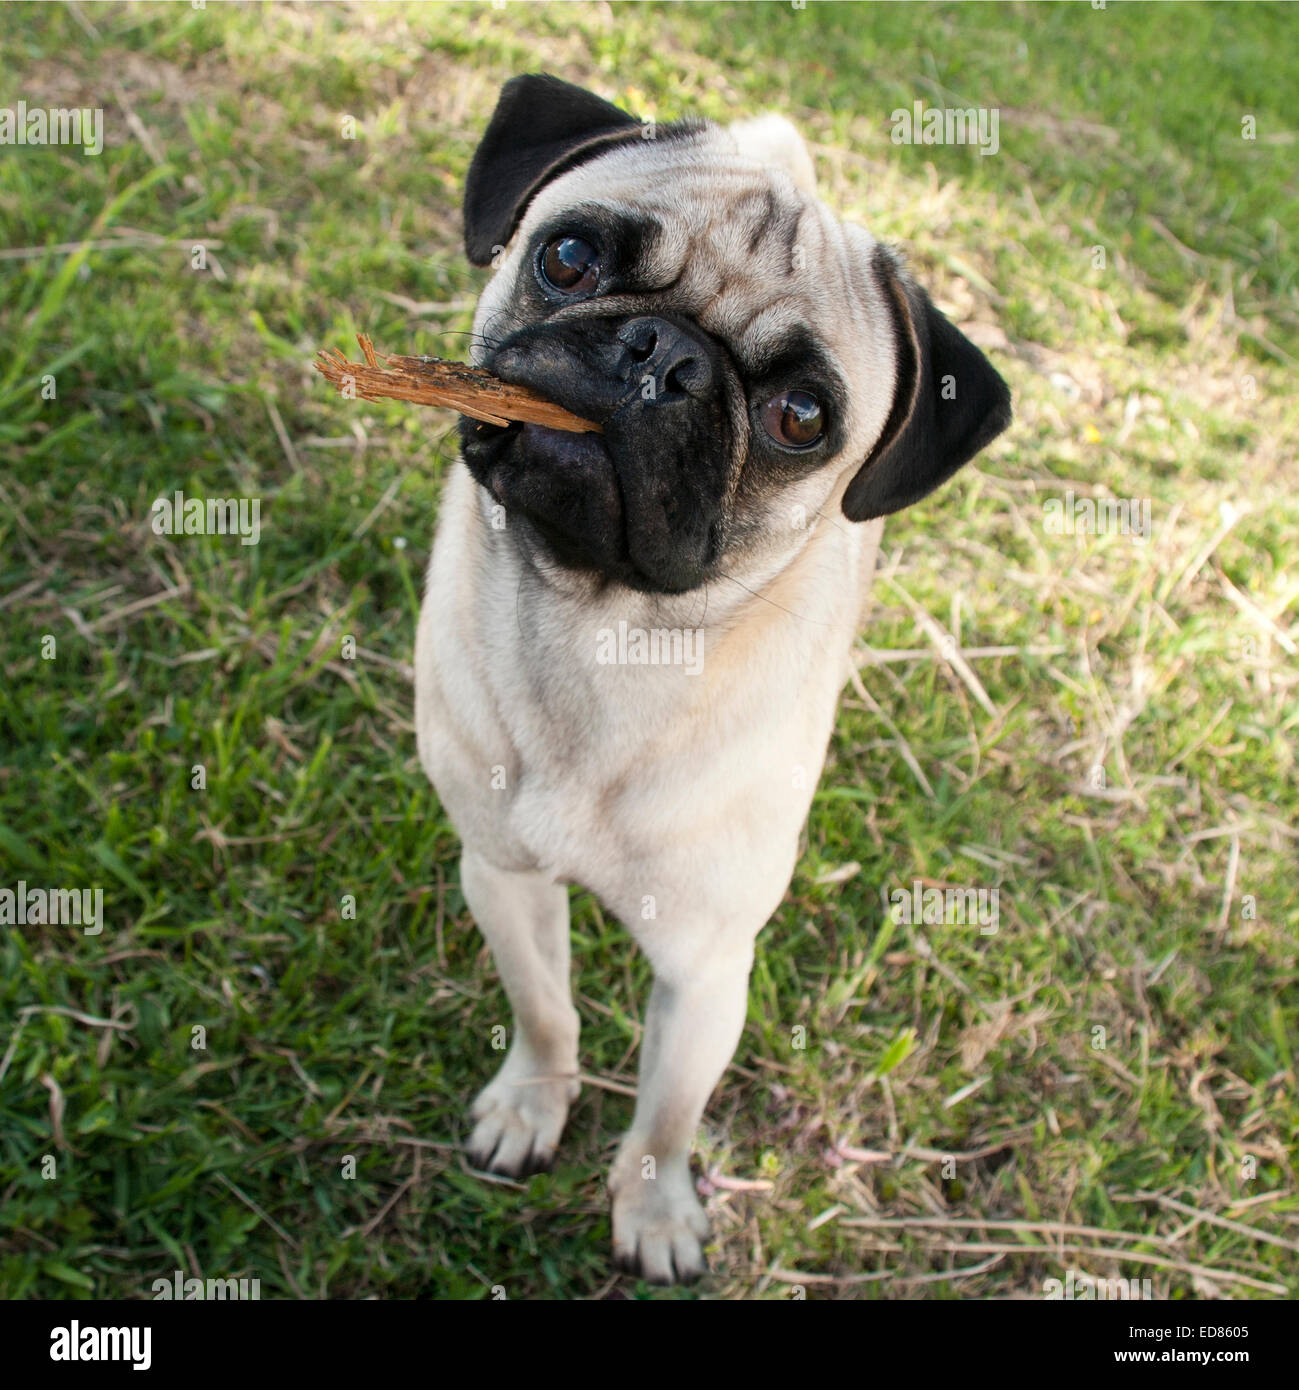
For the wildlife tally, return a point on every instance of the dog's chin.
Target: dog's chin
(561, 489)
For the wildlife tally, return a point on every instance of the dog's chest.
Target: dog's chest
(643, 808)
(639, 781)
(622, 749)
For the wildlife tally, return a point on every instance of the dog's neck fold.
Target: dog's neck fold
(785, 587)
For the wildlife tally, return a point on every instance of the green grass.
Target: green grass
(1161, 906)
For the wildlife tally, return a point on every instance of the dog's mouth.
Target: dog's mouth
(561, 488)
(638, 502)
(563, 450)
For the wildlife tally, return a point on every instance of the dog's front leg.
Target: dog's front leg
(520, 1114)
(696, 1011)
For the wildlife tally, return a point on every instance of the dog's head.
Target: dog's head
(750, 359)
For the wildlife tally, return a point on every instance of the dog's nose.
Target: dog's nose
(661, 352)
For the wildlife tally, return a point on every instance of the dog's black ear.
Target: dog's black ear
(542, 126)
(948, 403)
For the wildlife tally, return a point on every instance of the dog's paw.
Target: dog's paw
(518, 1124)
(659, 1229)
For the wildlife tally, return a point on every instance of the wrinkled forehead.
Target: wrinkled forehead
(730, 242)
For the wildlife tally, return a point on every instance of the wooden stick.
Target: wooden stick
(472, 391)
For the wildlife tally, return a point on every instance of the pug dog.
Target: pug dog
(632, 641)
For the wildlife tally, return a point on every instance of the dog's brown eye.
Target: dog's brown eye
(570, 264)
(793, 418)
